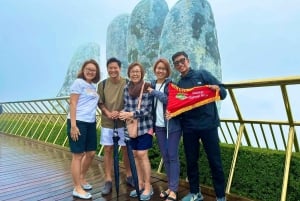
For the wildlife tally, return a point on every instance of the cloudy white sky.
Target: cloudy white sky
(257, 39)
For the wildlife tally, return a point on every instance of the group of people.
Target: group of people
(118, 99)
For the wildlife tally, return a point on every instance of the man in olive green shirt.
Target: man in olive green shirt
(111, 103)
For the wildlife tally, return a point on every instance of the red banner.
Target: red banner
(182, 100)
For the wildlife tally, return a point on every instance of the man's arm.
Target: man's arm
(103, 109)
(107, 113)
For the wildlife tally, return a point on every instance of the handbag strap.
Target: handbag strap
(140, 97)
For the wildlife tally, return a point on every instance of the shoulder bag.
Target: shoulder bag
(132, 124)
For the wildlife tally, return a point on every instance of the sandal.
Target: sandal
(163, 194)
(172, 198)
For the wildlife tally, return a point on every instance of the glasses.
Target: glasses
(135, 72)
(180, 61)
(90, 70)
(161, 68)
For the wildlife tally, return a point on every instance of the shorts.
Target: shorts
(142, 142)
(107, 134)
(87, 140)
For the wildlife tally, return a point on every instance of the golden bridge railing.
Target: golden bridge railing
(33, 118)
(271, 134)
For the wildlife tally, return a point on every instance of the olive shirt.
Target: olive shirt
(111, 95)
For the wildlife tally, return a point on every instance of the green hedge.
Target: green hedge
(258, 174)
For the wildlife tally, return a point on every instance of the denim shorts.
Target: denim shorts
(142, 142)
(87, 140)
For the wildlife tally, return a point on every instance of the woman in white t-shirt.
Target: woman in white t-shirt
(81, 125)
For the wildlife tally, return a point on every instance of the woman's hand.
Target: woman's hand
(149, 89)
(168, 115)
(74, 133)
(125, 115)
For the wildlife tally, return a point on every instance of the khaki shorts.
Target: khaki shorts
(107, 134)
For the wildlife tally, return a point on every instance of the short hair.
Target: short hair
(81, 74)
(136, 64)
(165, 62)
(113, 59)
(179, 54)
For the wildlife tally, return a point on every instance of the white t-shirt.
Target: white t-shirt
(87, 101)
(160, 122)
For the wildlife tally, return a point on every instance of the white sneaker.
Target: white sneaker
(193, 197)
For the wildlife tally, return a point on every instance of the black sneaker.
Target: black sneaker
(129, 181)
(106, 189)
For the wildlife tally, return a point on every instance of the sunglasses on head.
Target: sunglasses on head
(180, 61)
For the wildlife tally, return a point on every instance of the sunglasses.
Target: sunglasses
(180, 61)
